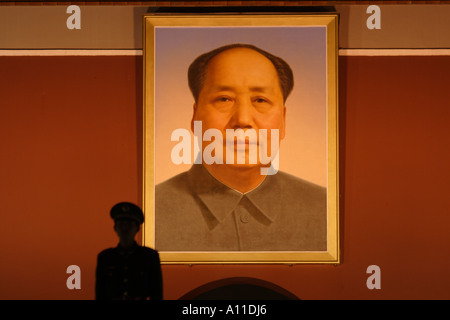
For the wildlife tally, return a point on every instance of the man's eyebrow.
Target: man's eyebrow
(222, 88)
(253, 89)
(261, 89)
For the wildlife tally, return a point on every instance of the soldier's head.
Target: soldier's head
(127, 220)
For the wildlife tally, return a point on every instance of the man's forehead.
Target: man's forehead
(236, 54)
(241, 64)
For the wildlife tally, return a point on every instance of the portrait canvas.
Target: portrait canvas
(198, 207)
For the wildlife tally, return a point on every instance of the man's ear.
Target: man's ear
(194, 111)
(283, 128)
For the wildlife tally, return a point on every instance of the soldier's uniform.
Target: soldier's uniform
(128, 273)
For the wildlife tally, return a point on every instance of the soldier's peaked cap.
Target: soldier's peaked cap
(127, 210)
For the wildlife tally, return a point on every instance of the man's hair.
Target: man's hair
(197, 69)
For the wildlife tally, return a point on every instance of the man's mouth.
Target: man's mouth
(242, 144)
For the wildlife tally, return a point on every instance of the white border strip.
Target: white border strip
(108, 52)
(74, 52)
(394, 52)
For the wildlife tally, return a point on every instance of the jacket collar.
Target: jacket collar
(221, 200)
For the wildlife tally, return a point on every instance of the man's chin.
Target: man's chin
(236, 167)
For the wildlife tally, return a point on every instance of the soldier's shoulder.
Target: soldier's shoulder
(107, 253)
(148, 250)
(149, 254)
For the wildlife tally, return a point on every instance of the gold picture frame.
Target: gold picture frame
(311, 41)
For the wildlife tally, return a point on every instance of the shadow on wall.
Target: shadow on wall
(239, 289)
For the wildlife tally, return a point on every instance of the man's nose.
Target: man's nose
(243, 114)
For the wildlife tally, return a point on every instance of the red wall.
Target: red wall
(70, 148)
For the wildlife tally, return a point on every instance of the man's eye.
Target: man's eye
(223, 99)
(261, 100)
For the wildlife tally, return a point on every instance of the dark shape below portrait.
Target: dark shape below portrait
(128, 271)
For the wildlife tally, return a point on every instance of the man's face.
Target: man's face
(126, 229)
(241, 91)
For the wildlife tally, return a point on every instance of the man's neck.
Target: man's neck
(126, 244)
(241, 179)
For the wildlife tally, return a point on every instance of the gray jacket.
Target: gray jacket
(196, 212)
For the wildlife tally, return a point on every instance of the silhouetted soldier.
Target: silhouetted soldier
(128, 271)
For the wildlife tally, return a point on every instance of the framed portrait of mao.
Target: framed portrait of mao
(241, 138)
